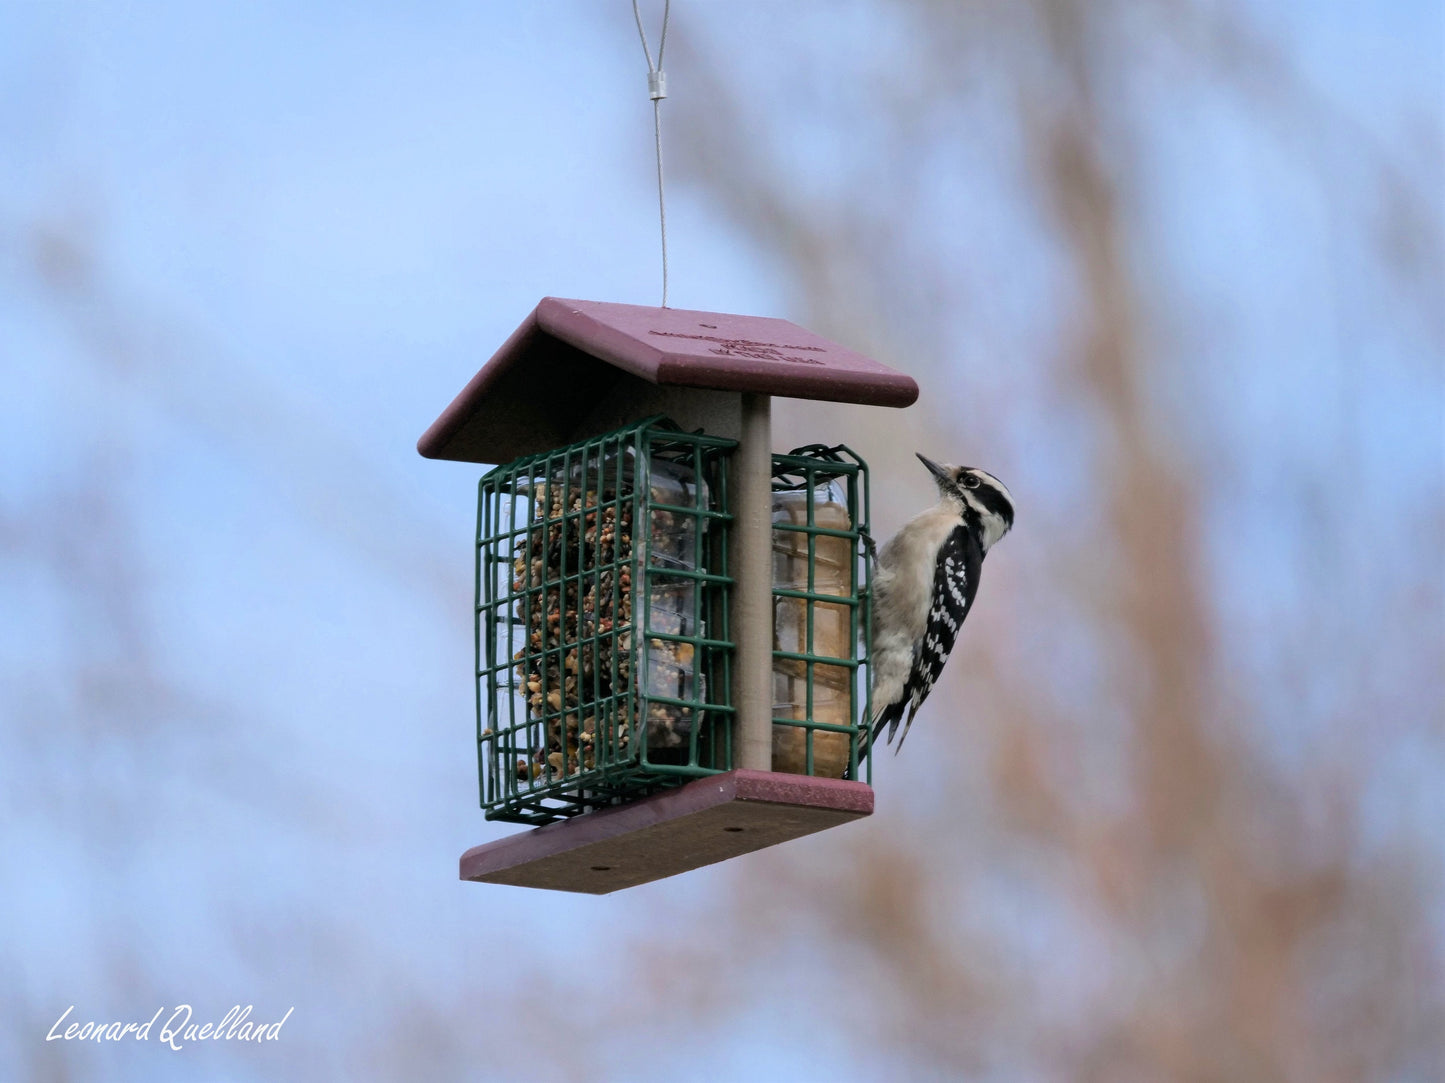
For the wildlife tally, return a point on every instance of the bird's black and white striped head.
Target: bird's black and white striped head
(981, 499)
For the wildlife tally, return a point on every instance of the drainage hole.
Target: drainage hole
(734, 829)
(601, 868)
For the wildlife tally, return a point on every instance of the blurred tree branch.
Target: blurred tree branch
(1218, 906)
(1093, 862)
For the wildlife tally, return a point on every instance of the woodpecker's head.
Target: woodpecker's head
(984, 502)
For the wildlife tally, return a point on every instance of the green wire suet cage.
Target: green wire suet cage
(604, 646)
(602, 631)
(821, 581)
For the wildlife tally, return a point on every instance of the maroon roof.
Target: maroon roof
(567, 354)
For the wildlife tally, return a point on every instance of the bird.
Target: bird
(924, 584)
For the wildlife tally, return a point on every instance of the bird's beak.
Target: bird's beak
(937, 471)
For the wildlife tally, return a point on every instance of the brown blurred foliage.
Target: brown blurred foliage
(1091, 862)
(1194, 910)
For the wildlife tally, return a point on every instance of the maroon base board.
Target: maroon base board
(708, 820)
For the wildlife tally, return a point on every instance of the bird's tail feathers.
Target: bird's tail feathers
(906, 725)
(888, 716)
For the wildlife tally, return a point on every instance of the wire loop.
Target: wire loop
(657, 90)
(641, 33)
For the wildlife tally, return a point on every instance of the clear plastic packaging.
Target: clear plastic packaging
(671, 665)
(673, 538)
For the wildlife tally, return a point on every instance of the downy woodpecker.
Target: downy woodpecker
(924, 585)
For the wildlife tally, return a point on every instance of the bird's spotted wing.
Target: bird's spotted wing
(955, 582)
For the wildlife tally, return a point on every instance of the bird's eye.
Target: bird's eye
(970, 481)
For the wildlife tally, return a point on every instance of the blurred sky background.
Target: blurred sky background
(1171, 268)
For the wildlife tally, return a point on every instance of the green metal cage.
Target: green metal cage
(604, 648)
(603, 657)
(822, 578)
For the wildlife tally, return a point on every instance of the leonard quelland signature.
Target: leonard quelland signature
(178, 1031)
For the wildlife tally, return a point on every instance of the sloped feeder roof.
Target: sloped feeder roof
(538, 389)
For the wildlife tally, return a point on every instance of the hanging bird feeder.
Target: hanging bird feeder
(669, 616)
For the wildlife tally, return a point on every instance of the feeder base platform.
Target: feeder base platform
(705, 821)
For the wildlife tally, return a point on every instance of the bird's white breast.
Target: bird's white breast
(904, 584)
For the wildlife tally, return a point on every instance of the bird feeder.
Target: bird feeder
(669, 616)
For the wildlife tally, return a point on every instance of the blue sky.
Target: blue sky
(309, 224)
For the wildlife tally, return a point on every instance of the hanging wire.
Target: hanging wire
(657, 90)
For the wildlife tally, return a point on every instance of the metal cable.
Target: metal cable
(657, 90)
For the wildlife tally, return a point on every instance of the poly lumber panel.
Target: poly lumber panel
(724, 352)
(567, 356)
(706, 821)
